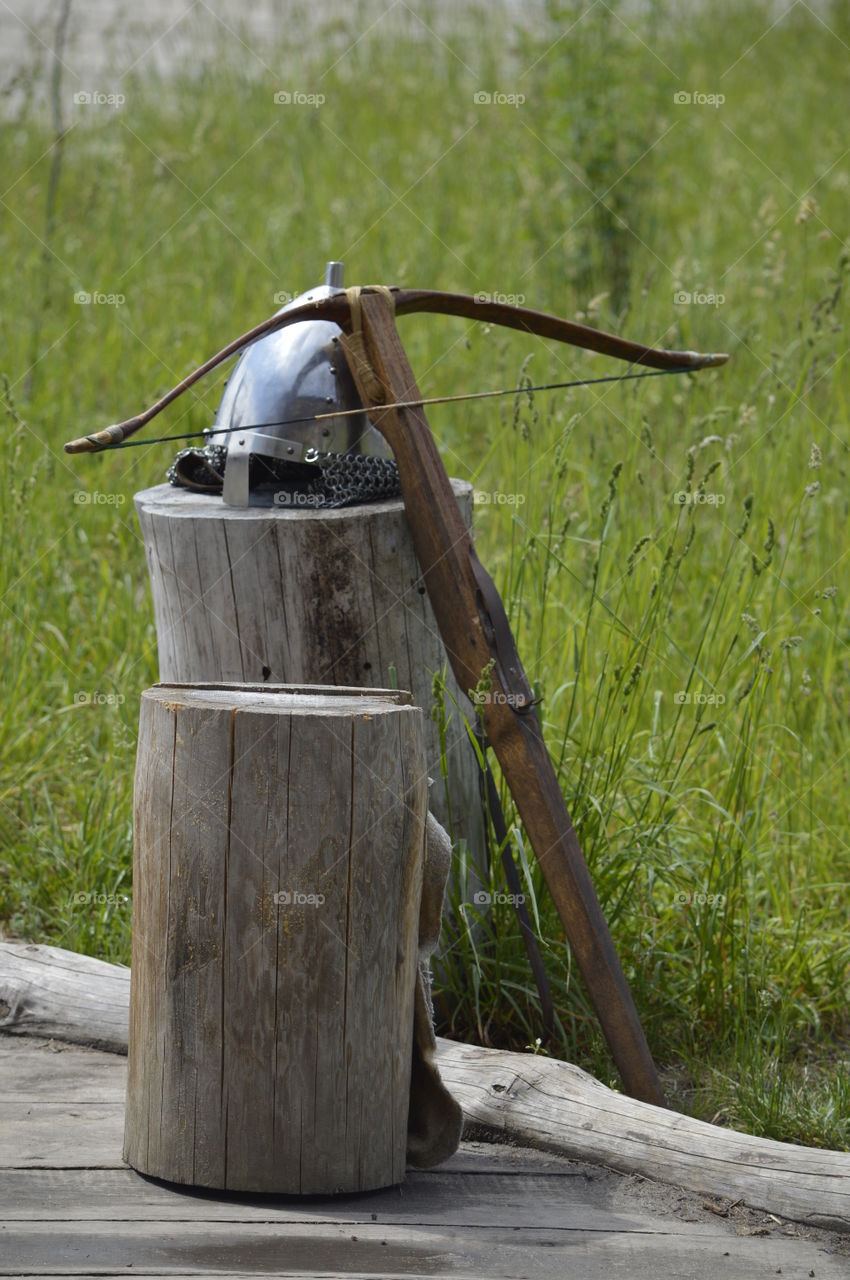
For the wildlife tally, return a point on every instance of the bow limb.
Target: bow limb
(335, 308)
(544, 325)
(408, 301)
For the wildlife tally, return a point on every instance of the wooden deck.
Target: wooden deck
(71, 1207)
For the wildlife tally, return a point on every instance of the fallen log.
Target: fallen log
(511, 1097)
(555, 1106)
(61, 995)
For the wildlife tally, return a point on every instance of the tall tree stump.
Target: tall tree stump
(299, 596)
(277, 876)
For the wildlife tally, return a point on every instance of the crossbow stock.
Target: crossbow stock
(469, 611)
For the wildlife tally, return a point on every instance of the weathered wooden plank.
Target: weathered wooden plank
(487, 1212)
(557, 1107)
(380, 1250)
(30, 1070)
(61, 1135)
(427, 1198)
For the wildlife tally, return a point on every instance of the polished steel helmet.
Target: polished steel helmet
(279, 384)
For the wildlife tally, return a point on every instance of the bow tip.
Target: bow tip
(101, 439)
(712, 360)
(83, 445)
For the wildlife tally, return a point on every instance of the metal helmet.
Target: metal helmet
(279, 383)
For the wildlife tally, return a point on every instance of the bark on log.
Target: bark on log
(277, 875)
(298, 596)
(550, 1105)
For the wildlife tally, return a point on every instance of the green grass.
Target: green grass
(716, 827)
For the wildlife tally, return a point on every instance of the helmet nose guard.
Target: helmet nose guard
(288, 377)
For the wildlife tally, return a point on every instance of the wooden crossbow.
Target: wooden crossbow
(469, 611)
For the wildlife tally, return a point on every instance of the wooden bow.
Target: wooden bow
(407, 301)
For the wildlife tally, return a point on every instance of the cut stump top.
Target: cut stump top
(170, 500)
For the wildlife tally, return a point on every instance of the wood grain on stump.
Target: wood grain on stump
(279, 838)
